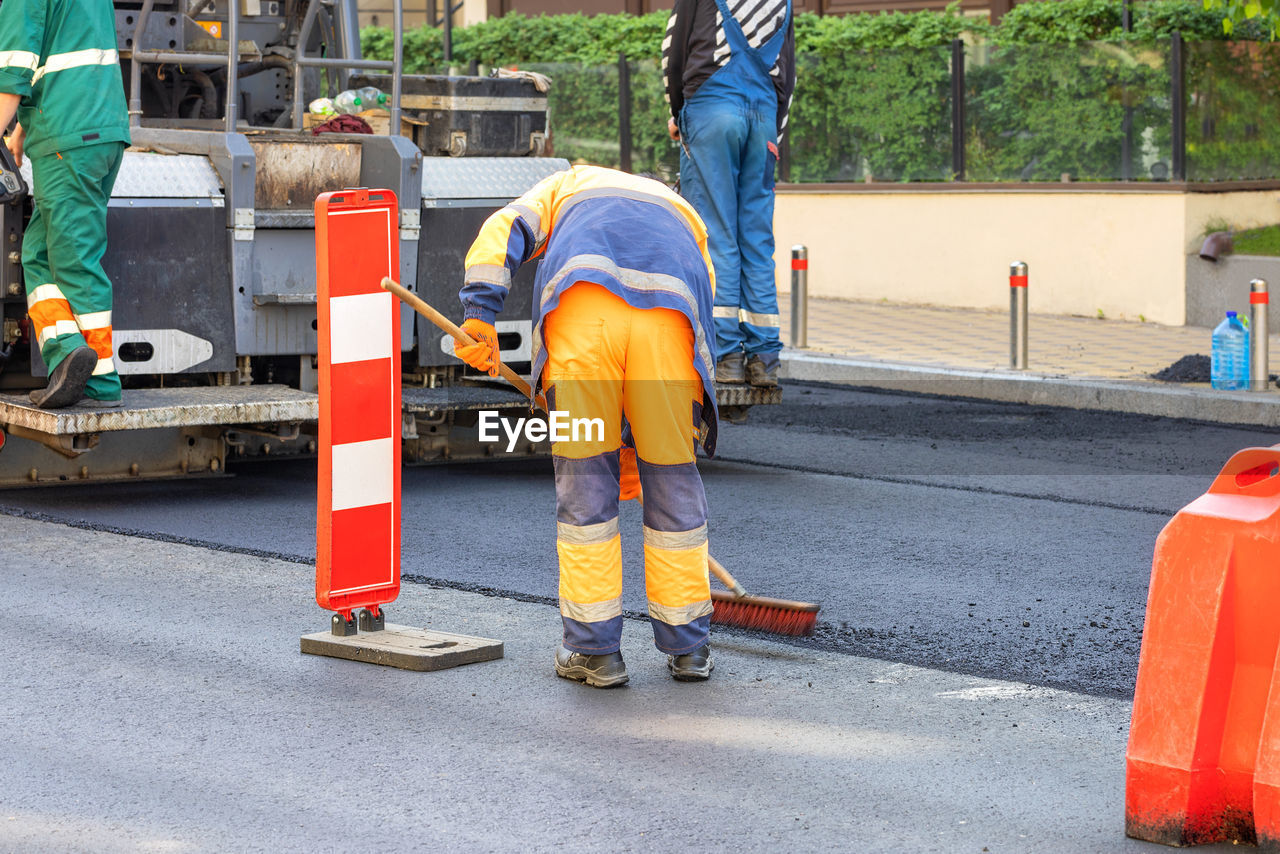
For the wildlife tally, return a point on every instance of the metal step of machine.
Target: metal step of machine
(198, 431)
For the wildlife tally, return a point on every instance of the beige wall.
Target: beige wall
(379, 12)
(1251, 209)
(1121, 252)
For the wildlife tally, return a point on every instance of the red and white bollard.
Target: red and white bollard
(358, 483)
(358, 323)
(799, 295)
(1259, 361)
(1018, 316)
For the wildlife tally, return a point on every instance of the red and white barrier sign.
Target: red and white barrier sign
(358, 499)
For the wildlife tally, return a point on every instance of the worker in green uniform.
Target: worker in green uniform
(60, 75)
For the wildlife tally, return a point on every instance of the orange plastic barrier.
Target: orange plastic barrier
(1203, 762)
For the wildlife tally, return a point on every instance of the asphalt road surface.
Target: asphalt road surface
(980, 538)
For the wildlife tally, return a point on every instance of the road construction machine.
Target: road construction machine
(211, 243)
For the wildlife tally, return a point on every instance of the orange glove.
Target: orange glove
(629, 475)
(482, 355)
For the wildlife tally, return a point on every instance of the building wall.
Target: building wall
(379, 12)
(1123, 252)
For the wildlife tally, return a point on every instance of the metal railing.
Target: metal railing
(444, 20)
(1151, 110)
(395, 66)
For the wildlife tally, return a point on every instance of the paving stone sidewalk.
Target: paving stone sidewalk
(973, 339)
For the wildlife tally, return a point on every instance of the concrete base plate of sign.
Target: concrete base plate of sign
(405, 647)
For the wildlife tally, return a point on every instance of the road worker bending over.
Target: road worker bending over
(59, 72)
(622, 331)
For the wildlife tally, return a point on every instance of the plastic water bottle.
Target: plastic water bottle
(1229, 368)
(348, 102)
(372, 98)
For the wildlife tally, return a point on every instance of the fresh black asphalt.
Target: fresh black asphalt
(991, 539)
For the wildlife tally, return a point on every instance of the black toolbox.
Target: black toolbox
(470, 116)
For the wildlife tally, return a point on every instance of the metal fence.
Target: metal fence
(1095, 111)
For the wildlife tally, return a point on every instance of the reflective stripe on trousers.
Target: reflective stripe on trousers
(68, 234)
(608, 360)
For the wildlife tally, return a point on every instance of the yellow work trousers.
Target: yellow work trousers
(606, 362)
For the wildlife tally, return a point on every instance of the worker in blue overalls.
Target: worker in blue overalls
(729, 71)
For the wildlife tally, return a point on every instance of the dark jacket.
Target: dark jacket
(695, 47)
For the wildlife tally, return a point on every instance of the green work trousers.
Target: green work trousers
(68, 294)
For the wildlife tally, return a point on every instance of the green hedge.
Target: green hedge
(518, 40)
(1048, 90)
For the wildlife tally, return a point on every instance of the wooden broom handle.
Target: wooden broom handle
(448, 326)
(726, 579)
(735, 588)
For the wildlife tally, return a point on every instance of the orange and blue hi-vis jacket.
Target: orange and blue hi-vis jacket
(630, 235)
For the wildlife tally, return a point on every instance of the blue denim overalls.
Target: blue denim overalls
(726, 173)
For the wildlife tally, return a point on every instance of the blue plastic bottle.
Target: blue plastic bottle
(1230, 364)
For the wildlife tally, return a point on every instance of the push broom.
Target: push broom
(732, 607)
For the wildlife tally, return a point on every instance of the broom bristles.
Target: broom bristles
(744, 614)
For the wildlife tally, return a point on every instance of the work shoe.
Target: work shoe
(693, 666)
(730, 369)
(760, 376)
(67, 380)
(598, 671)
(94, 403)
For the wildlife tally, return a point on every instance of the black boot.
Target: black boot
(693, 666)
(598, 671)
(67, 380)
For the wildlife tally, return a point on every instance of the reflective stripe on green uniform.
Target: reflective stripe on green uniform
(60, 56)
(64, 244)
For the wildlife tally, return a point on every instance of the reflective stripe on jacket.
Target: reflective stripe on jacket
(630, 235)
(60, 56)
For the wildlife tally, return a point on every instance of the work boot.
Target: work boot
(598, 671)
(693, 666)
(67, 380)
(760, 376)
(94, 403)
(730, 369)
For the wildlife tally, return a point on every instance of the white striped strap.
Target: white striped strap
(24, 59)
(534, 222)
(77, 59)
(682, 615)
(676, 540)
(591, 612)
(728, 312)
(61, 327)
(769, 321)
(94, 319)
(587, 535)
(44, 292)
(489, 274)
(636, 280)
